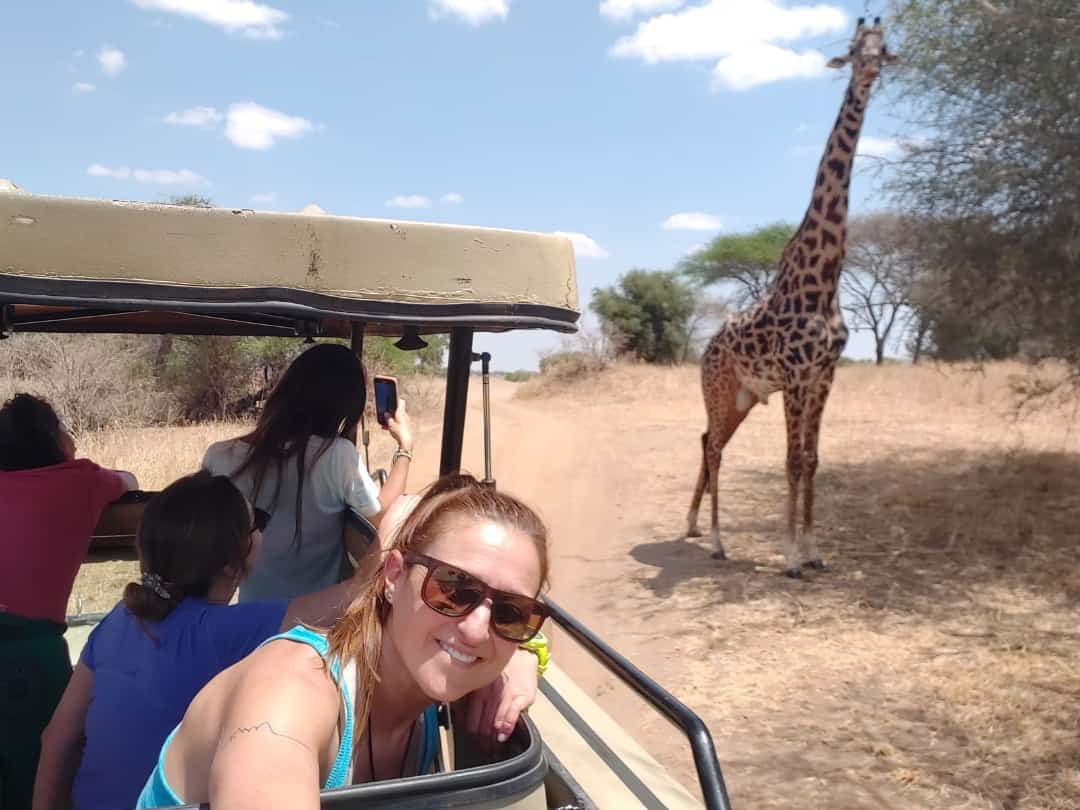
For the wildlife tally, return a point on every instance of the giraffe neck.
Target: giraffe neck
(834, 171)
(813, 256)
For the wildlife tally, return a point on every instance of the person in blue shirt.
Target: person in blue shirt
(171, 634)
(454, 597)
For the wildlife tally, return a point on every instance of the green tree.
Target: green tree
(989, 86)
(749, 260)
(381, 356)
(194, 200)
(647, 313)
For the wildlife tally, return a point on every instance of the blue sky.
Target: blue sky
(642, 128)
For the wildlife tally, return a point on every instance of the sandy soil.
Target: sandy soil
(934, 666)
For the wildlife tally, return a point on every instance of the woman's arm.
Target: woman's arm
(324, 608)
(129, 479)
(61, 744)
(400, 427)
(278, 733)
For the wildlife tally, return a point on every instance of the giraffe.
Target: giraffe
(791, 338)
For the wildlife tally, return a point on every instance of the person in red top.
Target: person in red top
(49, 504)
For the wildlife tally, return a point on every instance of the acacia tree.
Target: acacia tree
(878, 279)
(648, 311)
(747, 260)
(989, 86)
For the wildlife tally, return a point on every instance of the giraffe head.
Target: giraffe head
(867, 52)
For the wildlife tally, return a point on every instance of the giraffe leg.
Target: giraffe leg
(793, 414)
(722, 426)
(812, 431)
(714, 452)
(692, 529)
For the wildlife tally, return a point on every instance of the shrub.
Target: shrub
(93, 381)
(519, 376)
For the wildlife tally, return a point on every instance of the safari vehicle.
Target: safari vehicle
(93, 266)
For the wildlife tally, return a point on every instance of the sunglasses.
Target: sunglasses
(261, 518)
(453, 592)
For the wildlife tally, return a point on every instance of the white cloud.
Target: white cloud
(194, 117)
(251, 126)
(453, 198)
(692, 221)
(626, 9)
(584, 246)
(78, 54)
(327, 22)
(264, 197)
(83, 87)
(474, 12)
(870, 146)
(164, 177)
(763, 64)
(409, 201)
(112, 60)
(742, 35)
(252, 19)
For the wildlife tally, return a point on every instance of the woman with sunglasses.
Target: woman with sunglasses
(172, 632)
(49, 504)
(443, 615)
(299, 465)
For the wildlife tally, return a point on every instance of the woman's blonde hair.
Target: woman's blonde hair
(449, 502)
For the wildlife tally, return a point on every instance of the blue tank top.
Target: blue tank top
(158, 792)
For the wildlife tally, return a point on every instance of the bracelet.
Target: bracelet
(399, 453)
(538, 646)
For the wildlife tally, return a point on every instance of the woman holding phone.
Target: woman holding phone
(298, 465)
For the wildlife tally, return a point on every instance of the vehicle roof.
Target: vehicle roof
(82, 265)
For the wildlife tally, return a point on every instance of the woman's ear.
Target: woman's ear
(393, 570)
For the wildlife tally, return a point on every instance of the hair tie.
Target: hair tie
(159, 586)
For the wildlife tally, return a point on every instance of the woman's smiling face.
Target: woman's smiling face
(448, 657)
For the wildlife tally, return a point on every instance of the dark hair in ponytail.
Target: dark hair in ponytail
(189, 533)
(29, 434)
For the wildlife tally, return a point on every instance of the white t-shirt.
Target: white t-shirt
(288, 566)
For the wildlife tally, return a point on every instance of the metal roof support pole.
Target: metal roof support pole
(457, 395)
(356, 343)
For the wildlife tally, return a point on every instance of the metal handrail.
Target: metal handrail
(675, 711)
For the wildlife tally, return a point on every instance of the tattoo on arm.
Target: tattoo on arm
(263, 726)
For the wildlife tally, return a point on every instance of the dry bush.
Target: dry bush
(424, 395)
(581, 357)
(93, 381)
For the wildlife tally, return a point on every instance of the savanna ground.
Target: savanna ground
(934, 666)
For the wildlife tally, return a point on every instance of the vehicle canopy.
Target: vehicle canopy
(75, 265)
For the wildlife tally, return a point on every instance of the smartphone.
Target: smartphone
(385, 398)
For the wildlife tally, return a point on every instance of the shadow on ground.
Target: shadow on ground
(899, 536)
